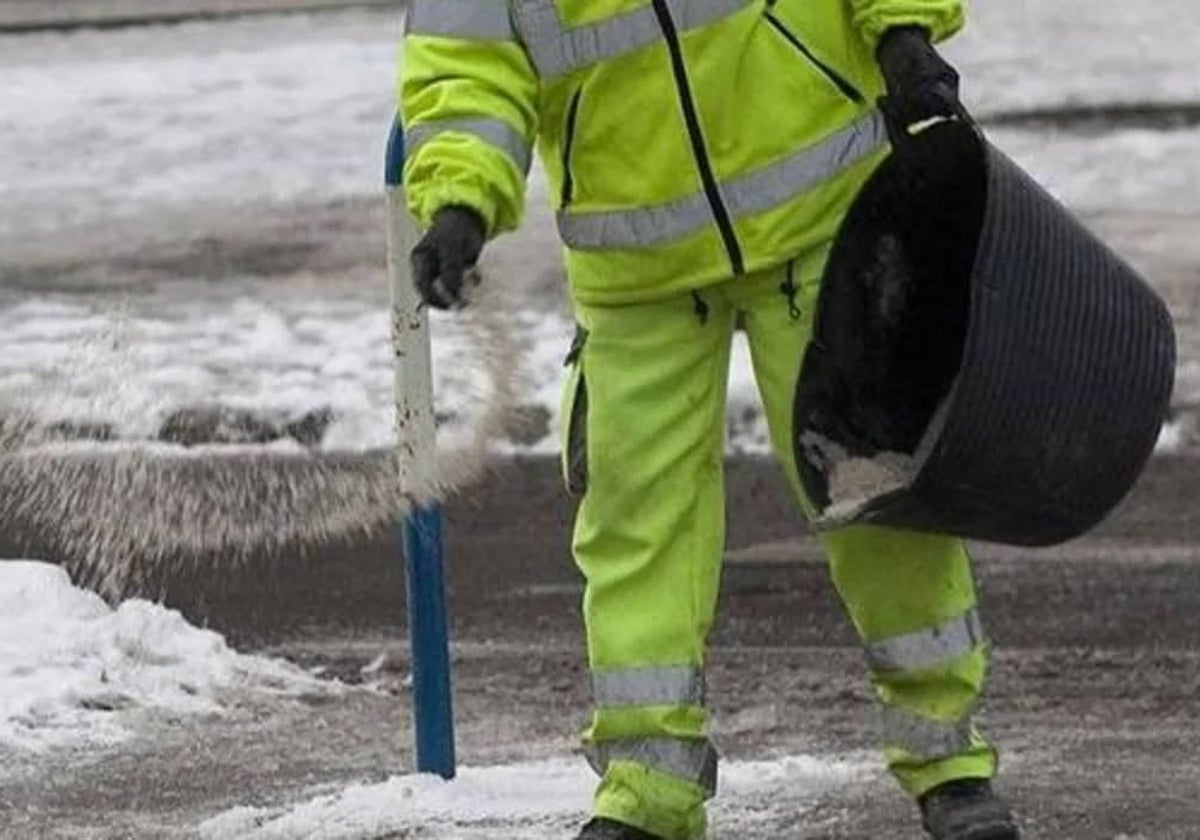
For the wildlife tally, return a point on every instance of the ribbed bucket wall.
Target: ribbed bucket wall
(1065, 378)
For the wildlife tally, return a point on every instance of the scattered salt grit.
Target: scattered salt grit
(856, 481)
(853, 481)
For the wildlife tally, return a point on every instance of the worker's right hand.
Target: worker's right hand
(443, 262)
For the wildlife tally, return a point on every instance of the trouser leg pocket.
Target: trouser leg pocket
(574, 420)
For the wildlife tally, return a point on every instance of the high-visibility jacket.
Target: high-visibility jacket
(686, 141)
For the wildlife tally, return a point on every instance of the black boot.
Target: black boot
(602, 828)
(967, 809)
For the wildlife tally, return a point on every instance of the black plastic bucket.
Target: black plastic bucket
(981, 364)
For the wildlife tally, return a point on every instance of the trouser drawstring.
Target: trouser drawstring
(700, 307)
(789, 290)
(577, 342)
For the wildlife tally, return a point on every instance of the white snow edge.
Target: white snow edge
(540, 799)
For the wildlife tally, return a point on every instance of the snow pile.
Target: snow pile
(73, 670)
(530, 800)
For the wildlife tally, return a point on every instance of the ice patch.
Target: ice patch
(75, 671)
(532, 800)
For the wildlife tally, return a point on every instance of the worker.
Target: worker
(701, 155)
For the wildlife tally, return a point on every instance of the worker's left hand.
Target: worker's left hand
(443, 263)
(921, 85)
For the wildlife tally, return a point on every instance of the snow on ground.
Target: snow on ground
(1024, 54)
(1155, 172)
(76, 672)
(117, 127)
(112, 127)
(135, 129)
(71, 361)
(530, 800)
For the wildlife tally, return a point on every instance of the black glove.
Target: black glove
(920, 84)
(444, 260)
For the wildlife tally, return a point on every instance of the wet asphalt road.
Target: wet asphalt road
(1093, 694)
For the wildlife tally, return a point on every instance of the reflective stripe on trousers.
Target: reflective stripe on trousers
(928, 648)
(494, 132)
(923, 737)
(932, 647)
(679, 685)
(556, 49)
(745, 195)
(693, 760)
(670, 685)
(475, 20)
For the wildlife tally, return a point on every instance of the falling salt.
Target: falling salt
(123, 512)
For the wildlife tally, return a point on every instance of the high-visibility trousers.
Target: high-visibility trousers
(643, 446)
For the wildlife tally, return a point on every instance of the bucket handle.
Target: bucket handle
(904, 139)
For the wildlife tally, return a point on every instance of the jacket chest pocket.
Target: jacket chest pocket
(570, 131)
(573, 414)
(836, 79)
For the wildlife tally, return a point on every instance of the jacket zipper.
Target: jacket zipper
(837, 79)
(699, 152)
(568, 182)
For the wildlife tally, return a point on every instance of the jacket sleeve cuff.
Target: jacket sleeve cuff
(940, 19)
(424, 203)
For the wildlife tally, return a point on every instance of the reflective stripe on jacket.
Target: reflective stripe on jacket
(685, 140)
